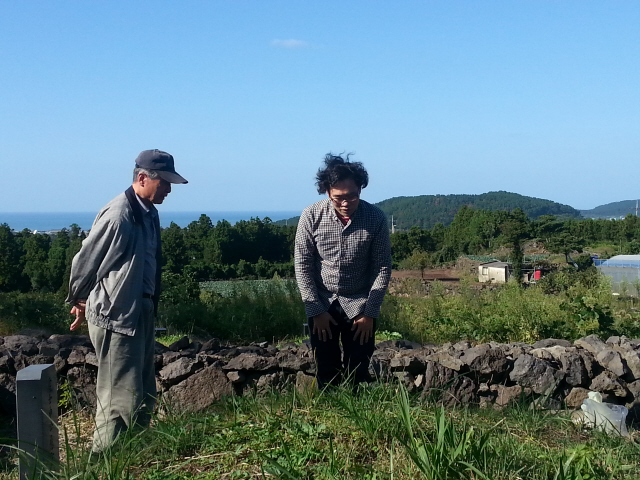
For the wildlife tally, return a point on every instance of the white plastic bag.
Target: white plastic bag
(608, 417)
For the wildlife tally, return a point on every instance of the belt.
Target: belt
(147, 295)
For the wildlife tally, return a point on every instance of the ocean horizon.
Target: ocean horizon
(47, 221)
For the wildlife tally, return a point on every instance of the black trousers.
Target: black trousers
(334, 364)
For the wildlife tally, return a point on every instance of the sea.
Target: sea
(48, 221)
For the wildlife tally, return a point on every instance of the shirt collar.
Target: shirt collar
(335, 214)
(146, 208)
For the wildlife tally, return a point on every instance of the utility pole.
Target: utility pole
(393, 225)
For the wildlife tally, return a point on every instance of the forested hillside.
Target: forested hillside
(611, 210)
(425, 211)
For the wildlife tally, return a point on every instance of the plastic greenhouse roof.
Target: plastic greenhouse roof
(620, 261)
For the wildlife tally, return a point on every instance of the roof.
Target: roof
(620, 261)
(495, 264)
(626, 258)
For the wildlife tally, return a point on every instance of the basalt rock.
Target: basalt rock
(552, 342)
(179, 370)
(575, 397)
(251, 362)
(612, 361)
(632, 360)
(540, 376)
(194, 373)
(486, 364)
(408, 363)
(199, 391)
(591, 344)
(608, 382)
(21, 344)
(447, 387)
(508, 395)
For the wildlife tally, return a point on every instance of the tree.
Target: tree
(36, 250)
(10, 268)
(57, 260)
(174, 249)
(564, 243)
(419, 260)
(76, 236)
(195, 235)
(514, 229)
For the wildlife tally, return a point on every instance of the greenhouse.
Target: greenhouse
(624, 271)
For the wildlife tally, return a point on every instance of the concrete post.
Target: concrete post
(37, 413)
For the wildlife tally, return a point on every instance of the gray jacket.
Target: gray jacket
(108, 270)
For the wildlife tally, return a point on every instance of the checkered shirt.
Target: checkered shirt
(350, 263)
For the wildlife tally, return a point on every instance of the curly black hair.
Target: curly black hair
(337, 169)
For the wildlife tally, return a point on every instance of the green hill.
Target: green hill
(611, 210)
(427, 210)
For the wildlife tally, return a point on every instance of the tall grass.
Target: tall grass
(247, 311)
(568, 306)
(380, 432)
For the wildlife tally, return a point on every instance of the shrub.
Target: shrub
(567, 305)
(33, 310)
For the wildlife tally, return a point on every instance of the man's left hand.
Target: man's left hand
(363, 326)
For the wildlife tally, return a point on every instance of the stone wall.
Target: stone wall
(192, 374)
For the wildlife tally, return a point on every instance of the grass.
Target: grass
(230, 288)
(565, 305)
(380, 432)
(251, 311)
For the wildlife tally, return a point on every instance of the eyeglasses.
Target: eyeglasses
(348, 198)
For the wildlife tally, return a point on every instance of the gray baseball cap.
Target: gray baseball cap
(161, 162)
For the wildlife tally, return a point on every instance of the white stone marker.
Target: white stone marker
(37, 412)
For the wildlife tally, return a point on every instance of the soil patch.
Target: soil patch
(442, 274)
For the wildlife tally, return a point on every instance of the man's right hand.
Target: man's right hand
(79, 311)
(322, 326)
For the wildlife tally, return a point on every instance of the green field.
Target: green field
(230, 288)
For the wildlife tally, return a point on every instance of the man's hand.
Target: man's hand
(363, 326)
(322, 326)
(78, 310)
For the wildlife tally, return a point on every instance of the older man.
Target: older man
(343, 266)
(115, 284)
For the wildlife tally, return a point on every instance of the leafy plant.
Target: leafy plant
(452, 453)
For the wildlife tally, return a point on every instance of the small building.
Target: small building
(624, 271)
(494, 272)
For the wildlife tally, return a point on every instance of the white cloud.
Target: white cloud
(290, 43)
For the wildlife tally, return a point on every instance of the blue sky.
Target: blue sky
(536, 97)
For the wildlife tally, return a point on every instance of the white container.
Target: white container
(606, 416)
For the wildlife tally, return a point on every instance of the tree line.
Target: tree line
(259, 248)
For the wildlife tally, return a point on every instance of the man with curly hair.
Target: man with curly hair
(343, 266)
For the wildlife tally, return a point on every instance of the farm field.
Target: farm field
(442, 274)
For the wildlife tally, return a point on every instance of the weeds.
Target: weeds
(381, 432)
(450, 453)
(566, 305)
